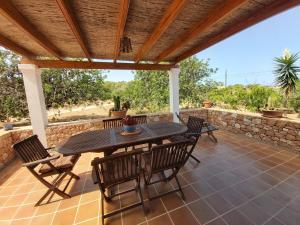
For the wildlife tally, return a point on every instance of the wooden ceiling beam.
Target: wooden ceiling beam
(70, 18)
(266, 12)
(169, 16)
(7, 43)
(15, 17)
(124, 7)
(213, 17)
(96, 65)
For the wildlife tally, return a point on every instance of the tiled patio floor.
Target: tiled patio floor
(239, 181)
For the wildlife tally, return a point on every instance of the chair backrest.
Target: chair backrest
(194, 126)
(117, 168)
(141, 119)
(30, 149)
(168, 156)
(117, 122)
(110, 123)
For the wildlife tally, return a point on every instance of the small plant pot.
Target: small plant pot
(207, 104)
(8, 126)
(129, 128)
(272, 113)
(120, 114)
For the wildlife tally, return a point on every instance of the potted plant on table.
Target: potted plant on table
(207, 104)
(129, 124)
(118, 110)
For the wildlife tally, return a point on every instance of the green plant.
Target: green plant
(257, 97)
(117, 103)
(126, 105)
(287, 73)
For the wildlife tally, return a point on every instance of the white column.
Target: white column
(174, 92)
(35, 100)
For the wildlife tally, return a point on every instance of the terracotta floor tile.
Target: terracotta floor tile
(114, 220)
(25, 211)
(47, 208)
(87, 211)
(42, 220)
(7, 213)
(288, 216)
(254, 213)
(232, 196)
(203, 188)
(65, 217)
(69, 203)
(161, 220)
(21, 222)
(267, 204)
(190, 194)
(172, 201)
(218, 203)
(154, 208)
(202, 211)
(15, 200)
(218, 221)
(133, 216)
(93, 221)
(183, 216)
(236, 218)
(274, 221)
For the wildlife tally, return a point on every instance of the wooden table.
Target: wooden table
(109, 140)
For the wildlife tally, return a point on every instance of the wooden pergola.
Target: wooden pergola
(89, 34)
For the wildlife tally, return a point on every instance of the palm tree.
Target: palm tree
(287, 73)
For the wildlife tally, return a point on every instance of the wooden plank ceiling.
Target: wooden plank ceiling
(88, 33)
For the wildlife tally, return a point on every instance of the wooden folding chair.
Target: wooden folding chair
(114, 170)
(117, 122)
(194, 125)
(41, 164)
(160, 158)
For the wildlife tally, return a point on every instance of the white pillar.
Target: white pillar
(174, 92)
(35, 100)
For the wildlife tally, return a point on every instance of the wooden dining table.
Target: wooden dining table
(110, 140)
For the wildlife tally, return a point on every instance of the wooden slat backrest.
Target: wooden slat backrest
(194, 126)
(141, 119)
(30, 149)
(117, 168)
(110, 123)
(168, 156)
(117, 122)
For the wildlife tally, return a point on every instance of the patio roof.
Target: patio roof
(160, 31)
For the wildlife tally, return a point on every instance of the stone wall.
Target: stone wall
(56, 133)
(281, 132)
(278, 131)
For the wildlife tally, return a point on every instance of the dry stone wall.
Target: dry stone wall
(282, 132)
(56, 133)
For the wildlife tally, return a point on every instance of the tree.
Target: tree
(73, 86)
(149, 91)
(287, 73)
(12, 97)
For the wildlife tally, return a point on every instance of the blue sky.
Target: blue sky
(248, 55)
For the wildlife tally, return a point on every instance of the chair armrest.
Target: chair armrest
(116, 155)
(45, 160)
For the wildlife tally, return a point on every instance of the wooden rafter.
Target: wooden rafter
(7, 43)
(213, 17)
(15, 17)
(124, 7)
(96, 65)
(266, 12)
(170, 15)
(74, 26)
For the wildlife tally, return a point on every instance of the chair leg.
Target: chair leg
(140, 194)
(102, 209)
(197, 160)
(179, 187)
